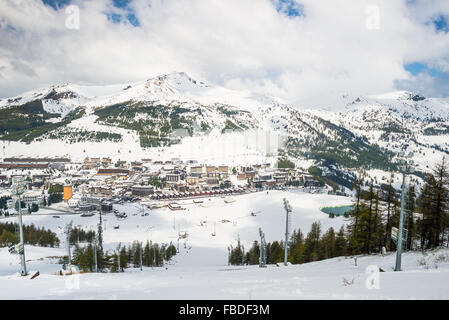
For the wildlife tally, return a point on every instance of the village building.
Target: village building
(172, 178)
(37, 160)
(308, 180)
(8, 165)
(212, 181)
(37, 183)
(113, 172)
(241, 176)
(106, 206)
(224, 171)
(57, 166)
(214, 174)
(280, 179)
(137, 169)
(121, 164)
(33, 197)
(260, 184)
(142, 191)
(193, 181)
(210, 169)
(136, 164)
(92, 201)
(91, 163)
(106, 162)
(100, 190)
(250, 174)
(196, 171)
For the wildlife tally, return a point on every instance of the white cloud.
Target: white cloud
(425, 84)
(242, 44)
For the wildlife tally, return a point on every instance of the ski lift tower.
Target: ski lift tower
(263, 250)
(288, 210)
(406, 167)
(100, 230)
(18, 188)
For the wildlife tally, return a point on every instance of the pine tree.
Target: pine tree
(253, 255)
(84, 257)
(390, 199)
(358, 229)
(113, 262)
(170, 251)
(237, 254)
(312, 242)
(129, 254)
(102, 260)
(147, 261)
(136, 254)
(341, 243)
(328, 243)
(433, 205)
(370, 219)
(159, 256)
(230, 251)
(409, 211)
(358, 195)
(441, 206)
(378, 228)
(123, 258)
(275, 252)
(296, 254)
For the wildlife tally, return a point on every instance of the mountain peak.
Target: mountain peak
(399, 95)
(180, 80)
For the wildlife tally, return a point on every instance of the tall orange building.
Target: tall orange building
(67, 193)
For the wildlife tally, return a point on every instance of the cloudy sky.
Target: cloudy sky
(308, 52)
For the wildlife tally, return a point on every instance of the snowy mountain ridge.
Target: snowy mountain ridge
(366, 134)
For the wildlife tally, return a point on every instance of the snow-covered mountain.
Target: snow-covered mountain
(399, 121)
(169, 109)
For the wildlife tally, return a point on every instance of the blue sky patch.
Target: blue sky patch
(439, 85)
(441, 23)
(114, 17)
(130, 16)
(56, 4)
(290, 8)
(118, 18)
(417, 67)
(121, 3)
(133, 19)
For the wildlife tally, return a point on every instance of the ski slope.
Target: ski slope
(200, 270)
(229, 220)
(316, 280)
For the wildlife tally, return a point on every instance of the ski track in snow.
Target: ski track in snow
(200, 270)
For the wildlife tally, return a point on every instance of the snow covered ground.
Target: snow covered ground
(233, 148)
(230, 221)
(336, 278)
(200, 270)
